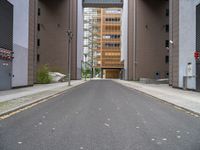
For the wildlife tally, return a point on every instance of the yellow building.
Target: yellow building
(108, 50)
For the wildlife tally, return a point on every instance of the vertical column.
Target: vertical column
(32, 54)
(101, 39)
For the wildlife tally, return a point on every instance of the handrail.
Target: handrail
(102, 1)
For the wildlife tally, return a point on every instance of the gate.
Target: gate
(6, 44)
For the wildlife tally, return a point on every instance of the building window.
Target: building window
(38, 42)
(167, 28)
(167, 43)
(38, 27)
(166, 59)
(167, 12)
(38, 57)
(39, 11)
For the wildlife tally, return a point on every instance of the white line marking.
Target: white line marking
(107, 125)
(19, 143)
(164, 139)
(178, 136)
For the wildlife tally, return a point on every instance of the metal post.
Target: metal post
(82, 69)
(92, 66)
(85, 71)
(70, 36)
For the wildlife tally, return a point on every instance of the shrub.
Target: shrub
(43, 76)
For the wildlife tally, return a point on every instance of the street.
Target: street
(101, 115)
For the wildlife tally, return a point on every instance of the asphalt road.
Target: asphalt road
(101, 115)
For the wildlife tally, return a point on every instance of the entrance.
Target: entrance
(6, 42)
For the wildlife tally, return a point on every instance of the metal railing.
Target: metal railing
(102, 1)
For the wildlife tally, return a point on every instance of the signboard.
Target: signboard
(197, 55)
(6, 54)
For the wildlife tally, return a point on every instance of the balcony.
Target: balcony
(103, 3)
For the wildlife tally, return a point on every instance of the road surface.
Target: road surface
(101, 115)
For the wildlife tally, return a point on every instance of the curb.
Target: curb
(22, 107)
(194, 113)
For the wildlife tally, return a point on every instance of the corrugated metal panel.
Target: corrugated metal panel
(198, 28)
(6, 25)
(6, 44)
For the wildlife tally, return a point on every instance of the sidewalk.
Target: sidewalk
(188, 100)
(14, 99)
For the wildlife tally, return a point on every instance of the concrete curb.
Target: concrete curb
(38, 101)
(194, 113)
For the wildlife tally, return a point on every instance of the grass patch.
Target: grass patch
(3, 104)
(43, 76)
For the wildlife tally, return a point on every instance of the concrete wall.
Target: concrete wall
(20, 39)
(151, 37)
(53, 48)
(74, 15)
(146, 39)
(79, 38)
(174, 44)
(187, 40)
(32, 41)
(131, 63)
(124, 38)
(54, 23)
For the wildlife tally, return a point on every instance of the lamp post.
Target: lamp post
(70, 36)
(85, 66)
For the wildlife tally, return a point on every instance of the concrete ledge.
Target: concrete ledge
(187, 100)
(154, 81)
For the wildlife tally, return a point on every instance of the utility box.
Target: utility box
(6, 44)
(189, 70)
(189, 75)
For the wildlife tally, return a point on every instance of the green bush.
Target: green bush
(43, 76)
